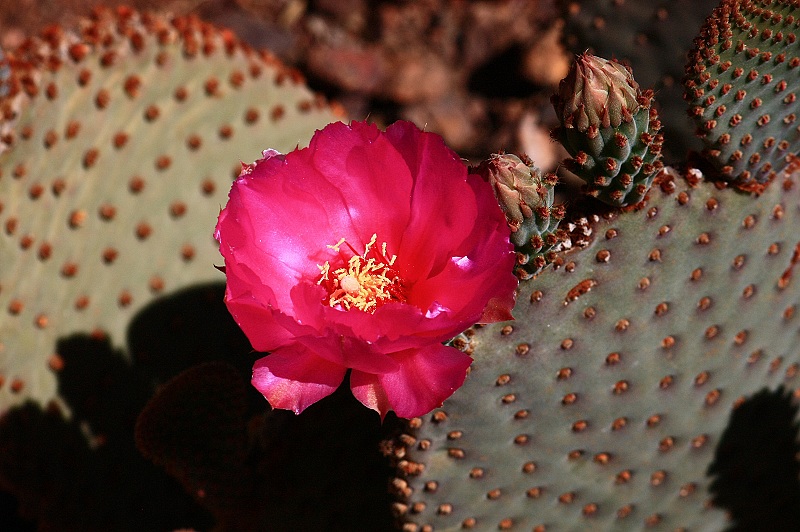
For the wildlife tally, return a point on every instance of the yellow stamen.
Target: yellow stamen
(337, 245)
(365, 282)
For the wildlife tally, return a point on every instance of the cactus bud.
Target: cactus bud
(596, 92)
(609, 128)
(526, 198)
(516, 185)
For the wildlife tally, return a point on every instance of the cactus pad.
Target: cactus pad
(602, 404)
(203, 410)
(121, 142)
(742, 80)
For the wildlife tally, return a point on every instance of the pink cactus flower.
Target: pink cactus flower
(364, 252)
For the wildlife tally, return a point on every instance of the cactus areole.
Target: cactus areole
(364, 252)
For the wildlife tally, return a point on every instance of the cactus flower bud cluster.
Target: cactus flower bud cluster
(610, 128)
(526, 197)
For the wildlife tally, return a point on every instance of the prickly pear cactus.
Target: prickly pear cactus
(121, 141)
(527, 199)
(610, 128)
(741, 82)
(601, 405)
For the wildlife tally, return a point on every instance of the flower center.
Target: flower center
(364, 282)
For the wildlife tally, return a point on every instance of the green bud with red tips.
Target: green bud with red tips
(597, 92)
(526, 197)
(610, 128)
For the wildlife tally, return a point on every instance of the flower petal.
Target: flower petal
(443, 208)
(258, 323)
(392, 327)
(372, 177)
(426, 377)
(367, 388)
(256, 229)
(350, 352)
(294, 378)
(478, 283)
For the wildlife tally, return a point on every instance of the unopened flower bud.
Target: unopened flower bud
(526, 197)
(518, 186)
(596, 92)
(610, 129)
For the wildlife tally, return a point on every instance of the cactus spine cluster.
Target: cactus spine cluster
(526, 197)
(610, 128)
(741, 83)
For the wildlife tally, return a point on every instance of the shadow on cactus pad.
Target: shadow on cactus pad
(755, 465)
(253, 468)
(83, 472)
(275, 471)
(189, 327)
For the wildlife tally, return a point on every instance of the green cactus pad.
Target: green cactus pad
(203, 411)
(601, 406)
(121, 143)
(742, 80)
